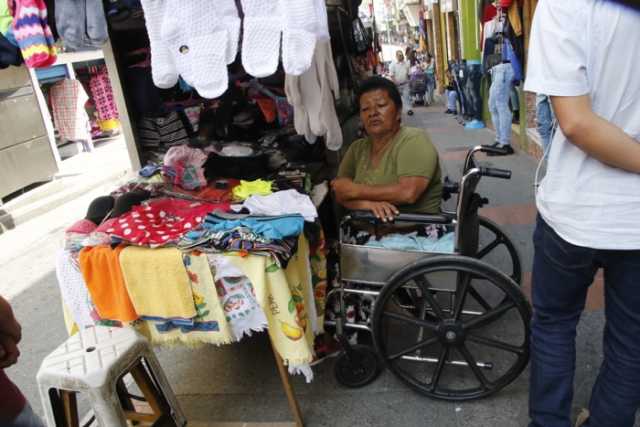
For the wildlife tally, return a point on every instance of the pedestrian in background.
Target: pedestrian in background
(583, 55)
(545, 120)
(399, 73)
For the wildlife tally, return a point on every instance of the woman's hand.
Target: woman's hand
(384, 211)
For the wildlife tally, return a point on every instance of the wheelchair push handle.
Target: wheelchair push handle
(495, 173)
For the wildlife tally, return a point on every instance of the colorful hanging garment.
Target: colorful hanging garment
(32, 32)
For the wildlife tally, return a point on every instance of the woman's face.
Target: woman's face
(378, 112)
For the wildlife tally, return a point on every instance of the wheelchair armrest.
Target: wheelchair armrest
(442, 218)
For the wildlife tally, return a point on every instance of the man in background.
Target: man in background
(399, 73)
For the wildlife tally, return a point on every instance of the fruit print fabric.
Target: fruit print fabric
(159, 222)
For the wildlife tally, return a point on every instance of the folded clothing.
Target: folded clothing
(100, 267)
(249, 188)
(157, 282)
(269, 227)
(282, 203)
(159, 222)
(413, 242)
(241, 240)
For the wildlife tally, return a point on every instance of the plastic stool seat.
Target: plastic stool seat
(93, 361)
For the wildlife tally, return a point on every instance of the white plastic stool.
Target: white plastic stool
(93, 361)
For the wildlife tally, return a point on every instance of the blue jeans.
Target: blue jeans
(562, 274)
(499, 95)
(545, 119)
(407, 104)
(26, 418)
(431, 86)
(452, 100)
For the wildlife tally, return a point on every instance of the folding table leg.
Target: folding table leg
(291, 397)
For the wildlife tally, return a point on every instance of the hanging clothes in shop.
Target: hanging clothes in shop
(313, 98)
(81, 24)
(9, 53)
(32, 32)
(515, 19)
(194, 41)
(102, 94)
(5, 17)
(68, 99)
(159, 134)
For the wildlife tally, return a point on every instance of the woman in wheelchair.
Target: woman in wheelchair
(395, 169)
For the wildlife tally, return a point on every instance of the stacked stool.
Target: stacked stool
(94, 361)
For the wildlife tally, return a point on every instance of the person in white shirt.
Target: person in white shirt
(583, 54)
(399, 73)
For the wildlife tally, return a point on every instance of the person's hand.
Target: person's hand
(384, 211)
(9, 352)
(345, 187)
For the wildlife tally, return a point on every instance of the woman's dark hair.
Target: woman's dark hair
(375, 83)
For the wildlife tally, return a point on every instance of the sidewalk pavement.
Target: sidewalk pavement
(78, 175)
(240, 382)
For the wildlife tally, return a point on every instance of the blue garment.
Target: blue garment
(26, 418)
(545, 119)
(562, 274)
(452, 100)
(499, 94)
(413, 242)
(269, 227)
(508, 54)
(81, 24)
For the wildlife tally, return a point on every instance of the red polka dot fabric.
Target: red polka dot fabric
(160, 222)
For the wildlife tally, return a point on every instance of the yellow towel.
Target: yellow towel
(283, 294)
(210, 325)
(157, 282)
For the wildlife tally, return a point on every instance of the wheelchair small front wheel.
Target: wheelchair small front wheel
(452, 328)
(357, 366)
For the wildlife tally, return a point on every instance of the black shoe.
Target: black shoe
(494, 145)
(410, 112)
(448, 112)
(505, 150)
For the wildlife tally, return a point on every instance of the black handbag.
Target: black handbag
(360, 40)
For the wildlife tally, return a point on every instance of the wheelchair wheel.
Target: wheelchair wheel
(452, 328)
(357, 366)
(496, 249)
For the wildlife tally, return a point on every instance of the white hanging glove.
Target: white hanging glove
(299, 34)
(300, 116)
(330, 92)
(261, 41)
(163, 69)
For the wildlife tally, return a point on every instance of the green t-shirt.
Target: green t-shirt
(411, 154)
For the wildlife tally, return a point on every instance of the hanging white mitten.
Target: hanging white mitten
(201, 40)
(163, 69)
(261, 39)
(299, 35)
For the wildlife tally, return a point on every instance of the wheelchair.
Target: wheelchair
(450, 325)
